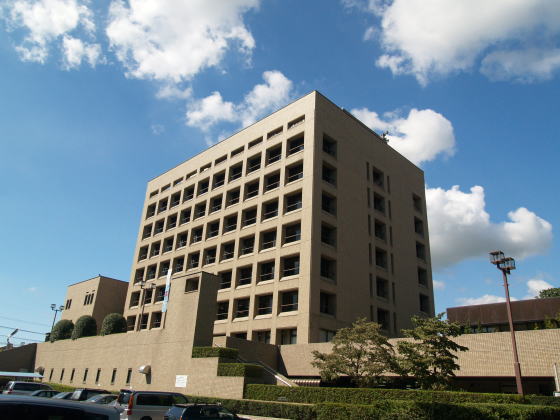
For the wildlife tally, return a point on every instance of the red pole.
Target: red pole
(516, 365)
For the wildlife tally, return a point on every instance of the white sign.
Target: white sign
(181, 381)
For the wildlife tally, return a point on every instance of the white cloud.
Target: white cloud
(482, 300)
(263, 98)
(460, 228)
(534, 286)
(76, 51)
(421, 136)
(438, 37)
(171, 91)
(175, 39)
(157, 129)
(438, 284)
(45, 21)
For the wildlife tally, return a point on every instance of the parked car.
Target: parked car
(25, 407)
(102, 399)
(23, 388)
(141, 405)
(82, 394)
(45, 393)
(199, 411)
(64, 395)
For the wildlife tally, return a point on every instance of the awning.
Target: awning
(21, 375)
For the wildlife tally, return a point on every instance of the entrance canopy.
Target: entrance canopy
(33, 375)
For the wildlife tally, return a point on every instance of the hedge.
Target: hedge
(370, 395)
(262, 408)
(418, 410)
(61, 330)
(240, 369)
(113, 324)
(61, 387)
(85, 327)
(543, 400)
(224, 353)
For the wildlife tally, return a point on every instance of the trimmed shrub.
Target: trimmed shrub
(262, 408)
(61, 387)
(246, 370)
(222, 352)
(62, 330)
(85, 327)
(543, 400)
(113, 324)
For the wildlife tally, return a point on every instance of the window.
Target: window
(177, 181)
(296, 122)
(290, 266)
(249, 216)
(68, 304)
(247, 245)
(203, 187)
(142, 254)
(417, 203)
(182, 240)
(194, 260)
(378, 178)
(220, 160)
(254, 163)
(85, 376)
(235, 172)
(134, 299)
(328, 234)
(329, 145)
(113, 376)
(241, 308)
(228, 250)
(156, 320)
(61, 374)
(190, 175)
(159, 226)
(287, 336)
(98, 374)
(328, 268)
(216, 203)
(225, 279)
(420, 251)
(72, 375)
(424, 304)
(242, 335)
(422, 277)
(237, 151)
(294, 172)
(418, 226)
(268, 239)
(130, 323)
(200, 210)
(382, 288)
(196, 235)
(178, 264)
(213, 229)
(139, 275)
(168, 244)
(329, 174)
(383, 319)
(162, 205)
(289, 301)
(222, 310)
(262, 336)
(155, 249)
(164, 268)
(147, 231)
(380, 230)
(252, 189)
(153, 193)
(148, 296)
(232, 197)
(264, 304)
(209, 256)
(144, 321)
(379, 203)
(272, 181)
(266, 271)
(128, 376)
(381, 258)
(274, 133)
(327, 303)
(219, 179)
(165, 187)
(295, 145)
(293, 202)
(255, 142)
(188, 193)
(185, 216)
(230, 223)
(150, 211)
(274, 154)
(160, 294)
(269, 210)
(292, 233)
(151, 272)
(326, 336)
(244, 275)
(176, 199)
(328, 203)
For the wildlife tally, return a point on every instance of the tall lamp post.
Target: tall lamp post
(505, 265)
(56, 311)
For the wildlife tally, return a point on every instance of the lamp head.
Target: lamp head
(496, 257)
(53, 306)
(508, 264)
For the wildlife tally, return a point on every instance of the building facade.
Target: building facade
(309, 219)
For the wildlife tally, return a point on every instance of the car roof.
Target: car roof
(26, 399)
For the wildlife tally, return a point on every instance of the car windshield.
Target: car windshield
(27, 386)
(124, 396)
(61, 395)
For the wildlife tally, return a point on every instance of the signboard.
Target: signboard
(166, 294)
(181, 381)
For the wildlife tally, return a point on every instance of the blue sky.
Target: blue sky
(96, 98)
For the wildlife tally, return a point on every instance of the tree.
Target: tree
(113, 324)
(61, 330)
(360, 352)
(549, 293)
(431, 356)
(85, 327)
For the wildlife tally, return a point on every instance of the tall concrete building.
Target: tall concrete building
(309, 218)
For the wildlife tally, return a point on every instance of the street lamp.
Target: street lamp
(8, 344)
(56, 311)
(505, 265)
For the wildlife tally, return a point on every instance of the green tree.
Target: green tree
(430, 356)
(61, 330)
(85, 327)
(113, 324)
(360, 352)
(549, 293)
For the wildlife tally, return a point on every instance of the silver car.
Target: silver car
(146, 405)
(24, 388)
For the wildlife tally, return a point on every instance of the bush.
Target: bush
(62, 330)
(371, 395)
(263, 408)
(85, 327)
(246, 370)
(221, 352)
(61, 387)
(113, 324)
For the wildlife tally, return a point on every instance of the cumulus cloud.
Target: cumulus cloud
(425, 38)
(263, 98)
(534, 287)
(49, 21)
(421, 136)
(175, 39)
(76, 51)
(460, 228)
(482, 300)
(438, 284)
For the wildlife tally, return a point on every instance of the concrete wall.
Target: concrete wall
(18, 359)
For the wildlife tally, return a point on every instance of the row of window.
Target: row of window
(86, 373)
(144, 321)
(287, 302)
(283, 336)
(228, 223)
